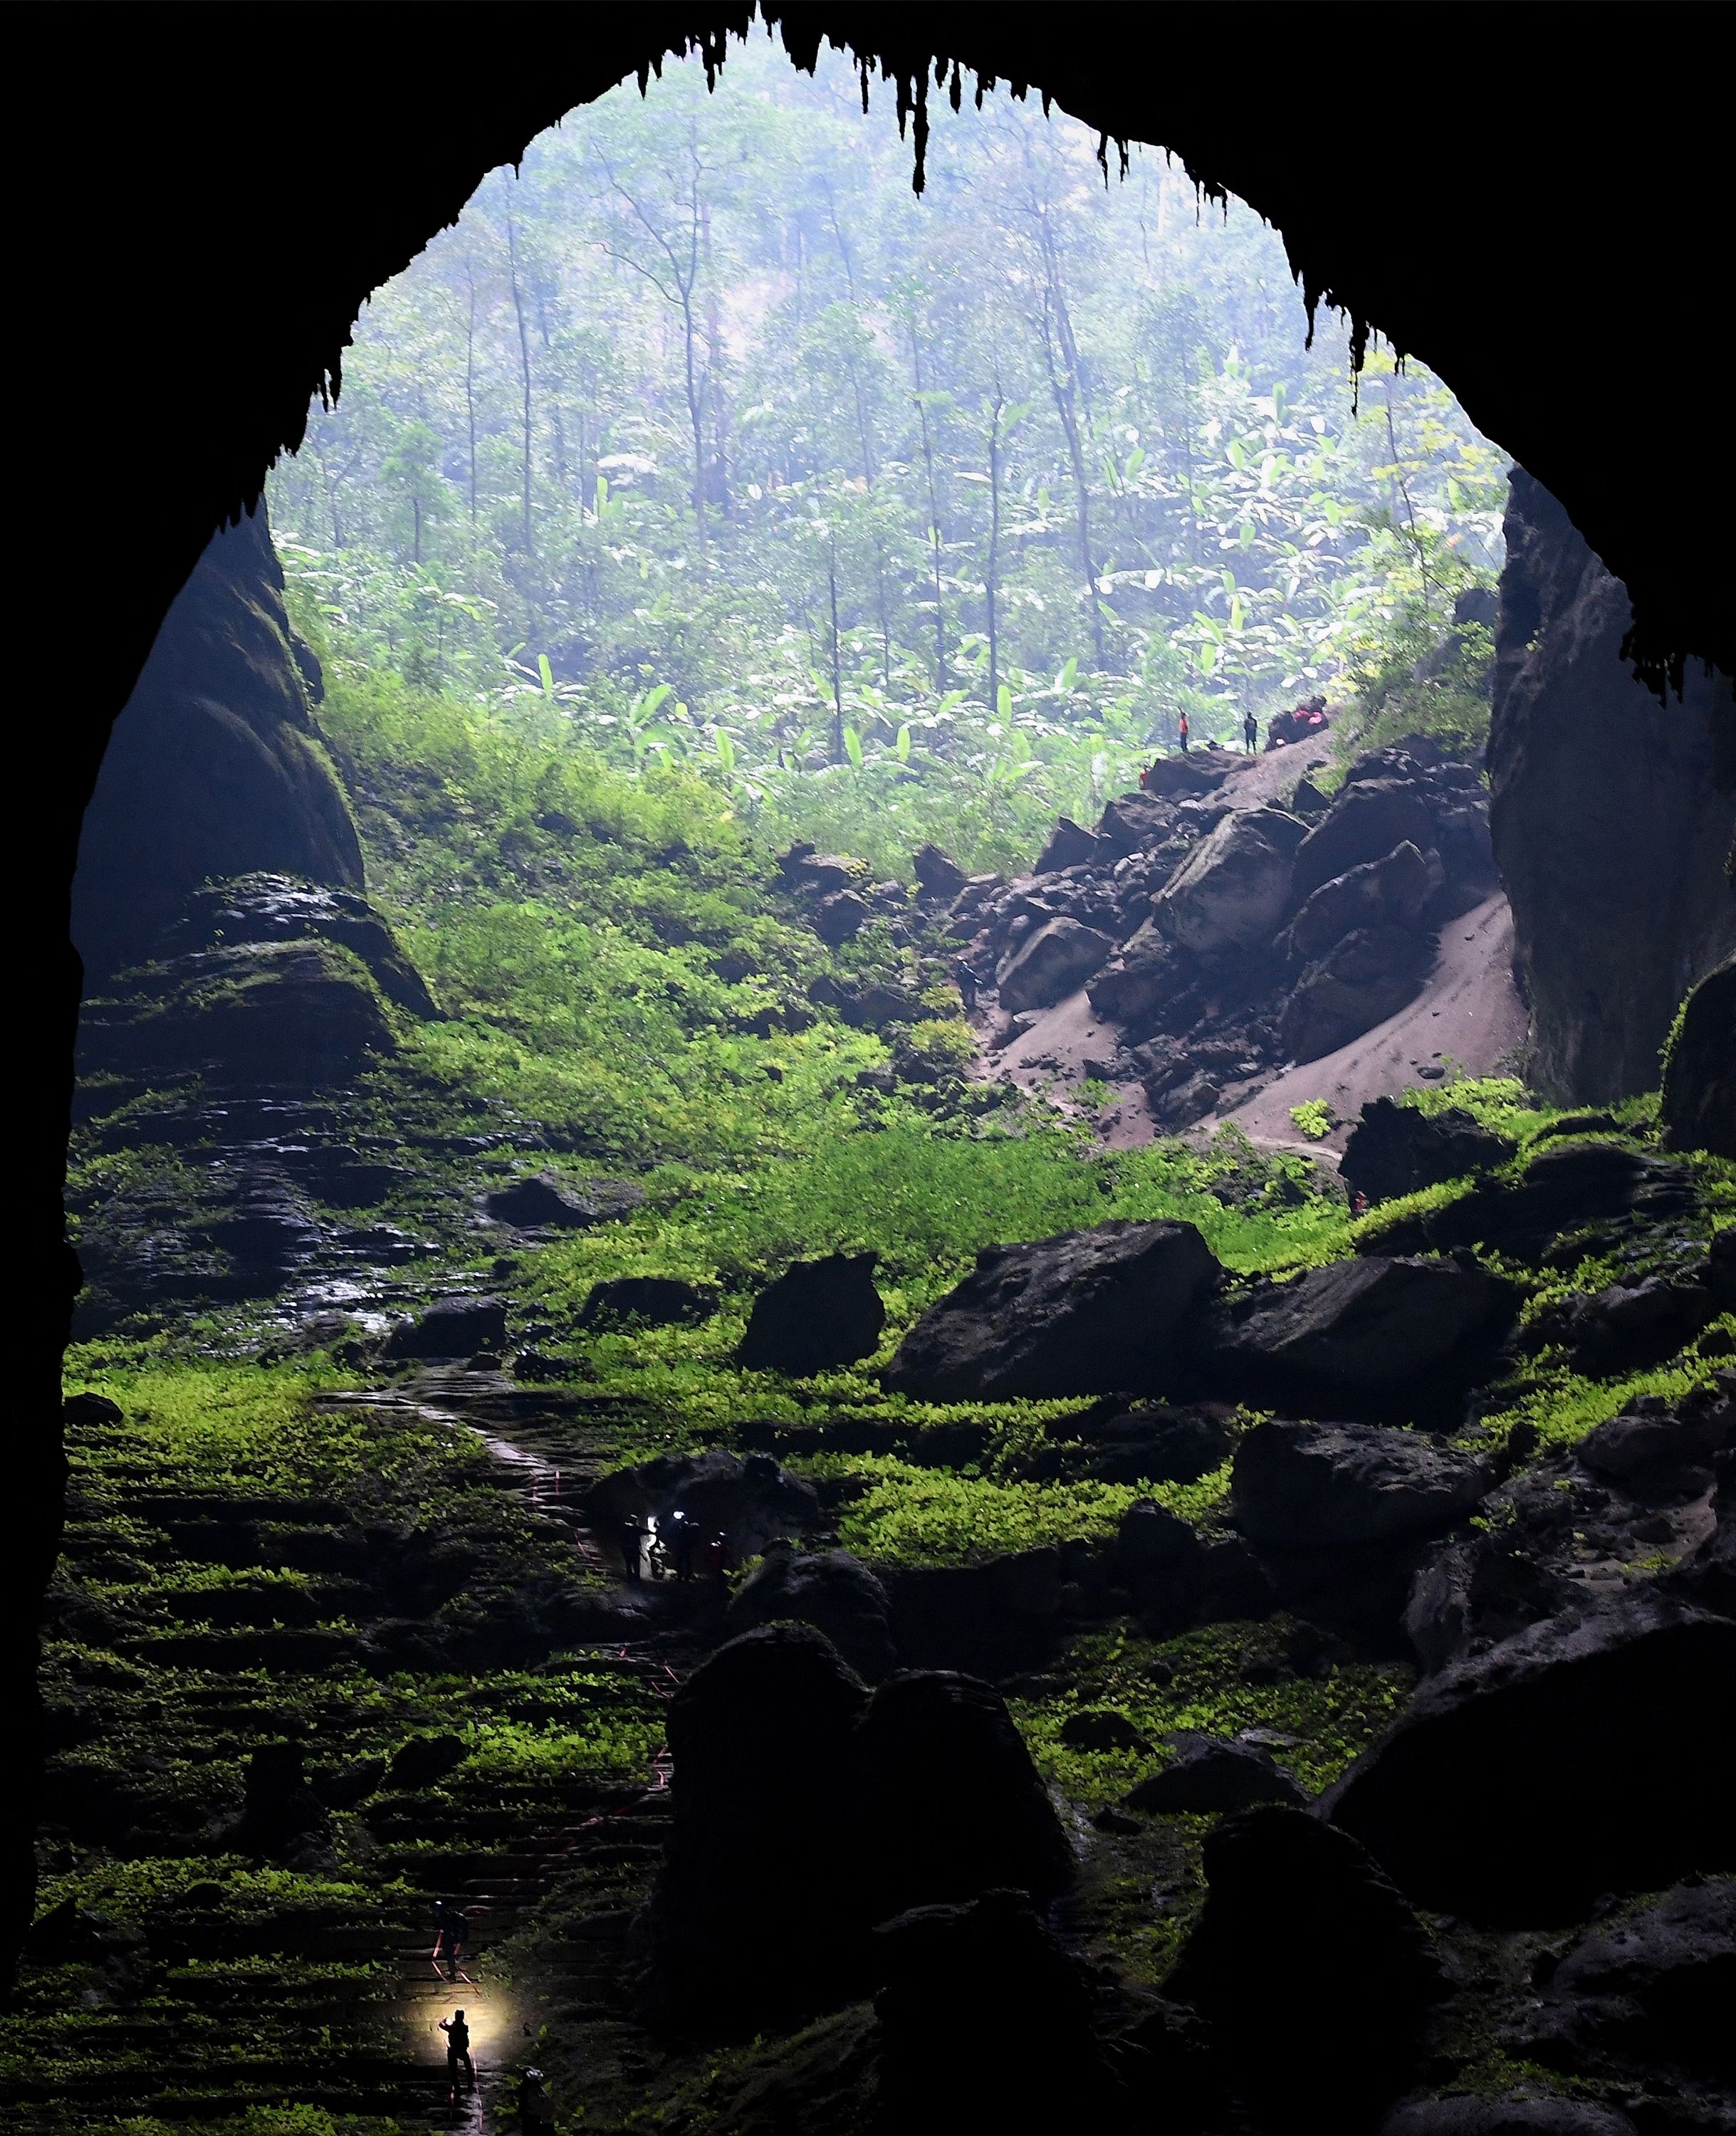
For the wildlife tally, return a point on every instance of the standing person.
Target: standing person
(685, 1536)
(1184, 730)
(632, 1543)
(1250, 733)
(458, 2050)
(449, 1937)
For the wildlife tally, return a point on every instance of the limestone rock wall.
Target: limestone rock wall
(1610, 827)
(216, 769)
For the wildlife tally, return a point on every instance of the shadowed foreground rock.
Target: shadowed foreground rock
(984, 2022)
(829, 1590)
(1505, 2117)
(1209, 1775)
(1314, 1972)
(816, 1316)
(1608, 1724)
(805, 1813)
(1085, 1313)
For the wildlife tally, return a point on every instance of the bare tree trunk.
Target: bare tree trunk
(836, 656)
(1061, 359)
(470, 381)
(991, 576)
(934, 513)
(524, 358)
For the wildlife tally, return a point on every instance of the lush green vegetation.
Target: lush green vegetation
(900, 518)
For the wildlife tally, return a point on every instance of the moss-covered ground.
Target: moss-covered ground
(252, 1559)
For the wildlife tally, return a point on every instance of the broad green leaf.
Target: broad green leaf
(901, 747)
(852, 747)
(547, 673)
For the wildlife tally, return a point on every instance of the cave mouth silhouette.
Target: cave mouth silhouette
(231, 287)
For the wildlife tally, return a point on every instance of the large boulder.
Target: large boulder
(1209, 1775)
(645, 1301)
(753, 1500)
(815, 1317)
(1069, 845)
(1397, 1149)
(1369, 976)
(1051, 963)
(1611, 821)
(1233, 889)
(984, 2022)
(1391, 891)
(1315, 1974)
(289, 1016)
(998, 1615)
(263, 907)
(1654, 1984)
(1373, 1336)
(950, 1804)
(1365, 823)
(755, 1912)
(1565, 1186)
(1131, 821)
(1699, 1104)
(1132, 988)
(1606, 1723)
(215, 768)
(1157, 1445)
(805, 1813)
(831, 1591)
(1088, 1312)
(1321, 1486)
(938, 875)
(451, 1327)
(543, 1200)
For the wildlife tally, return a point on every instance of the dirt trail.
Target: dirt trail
(529, 1857)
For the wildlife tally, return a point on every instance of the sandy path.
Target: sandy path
(1469, 1012)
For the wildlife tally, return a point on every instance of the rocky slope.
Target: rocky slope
(1611, 824)
(1217, 942)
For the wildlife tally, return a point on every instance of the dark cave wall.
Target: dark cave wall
(215, 768)
(217, 286)
(1611, 828)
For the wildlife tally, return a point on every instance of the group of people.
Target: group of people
(680, 1547)
(1250, 735)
